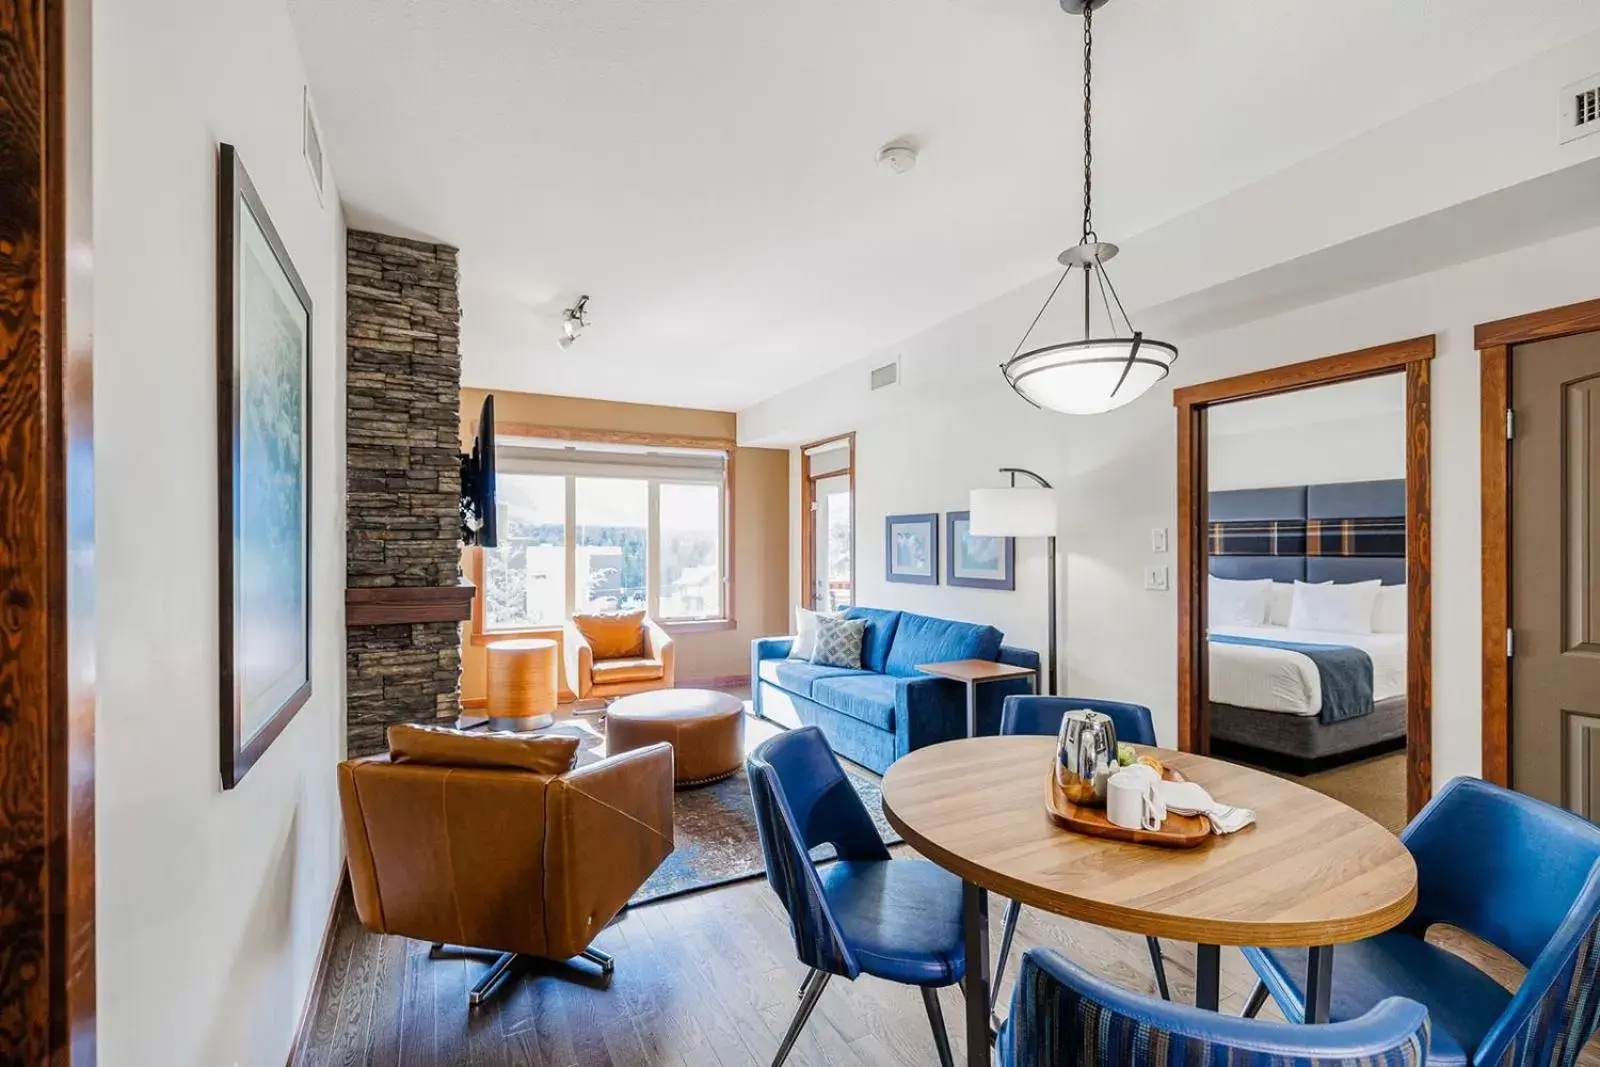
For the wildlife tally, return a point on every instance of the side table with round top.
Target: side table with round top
(1311, 873)
(522, 684)
(704, 728)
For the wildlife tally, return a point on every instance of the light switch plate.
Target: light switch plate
(1158, 539)
(1155, 579)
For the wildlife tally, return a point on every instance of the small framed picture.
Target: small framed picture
(977, 562)
(911, 549)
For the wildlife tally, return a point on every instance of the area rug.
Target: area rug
(717, 840)
(714, 825)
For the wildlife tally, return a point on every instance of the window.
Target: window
(607, 528)
(690, 550)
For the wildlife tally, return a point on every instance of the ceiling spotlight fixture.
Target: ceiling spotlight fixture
(1097, 373)
(897, 156)
(574, 320)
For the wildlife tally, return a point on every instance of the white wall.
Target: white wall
(211, 904)
(1351, 432)
(956, 422)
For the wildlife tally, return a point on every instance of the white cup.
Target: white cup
(1133, 799)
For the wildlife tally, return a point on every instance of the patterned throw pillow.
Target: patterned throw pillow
(839, 642)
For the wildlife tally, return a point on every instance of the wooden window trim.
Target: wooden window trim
(808, 532)
(1414, 358)
(478, 635)
(1496, 343)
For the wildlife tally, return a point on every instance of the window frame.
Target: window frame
(481, 634)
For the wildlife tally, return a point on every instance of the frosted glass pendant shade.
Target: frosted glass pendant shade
(1090, 377)
(1012, 512)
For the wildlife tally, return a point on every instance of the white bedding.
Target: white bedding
(1279, 679)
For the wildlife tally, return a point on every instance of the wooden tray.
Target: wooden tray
(1178, 831)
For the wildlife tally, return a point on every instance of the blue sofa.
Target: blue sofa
(876, 715)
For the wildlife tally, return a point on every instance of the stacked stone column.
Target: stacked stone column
(402, 418)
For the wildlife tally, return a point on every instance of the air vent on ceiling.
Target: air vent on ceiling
(1580, 109)
(311, 141)
(886, 375)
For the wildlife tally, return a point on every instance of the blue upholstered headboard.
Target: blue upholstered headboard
(1341, 532)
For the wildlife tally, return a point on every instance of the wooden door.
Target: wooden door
(1555, 572)
(47, 967)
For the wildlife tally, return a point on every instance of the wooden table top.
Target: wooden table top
(974, 670)
(1312, 871)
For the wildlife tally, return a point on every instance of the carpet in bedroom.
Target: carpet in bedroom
(1375, 787)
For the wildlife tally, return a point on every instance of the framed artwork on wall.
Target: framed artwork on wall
(263, 475)
(977, 562)
(911, 549)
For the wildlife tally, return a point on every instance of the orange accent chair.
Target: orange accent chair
(497, 842)
(617, 653)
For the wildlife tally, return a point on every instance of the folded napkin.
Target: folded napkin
(1190, 798)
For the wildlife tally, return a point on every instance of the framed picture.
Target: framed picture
(978, 562)
(263, 471)
(911, 549)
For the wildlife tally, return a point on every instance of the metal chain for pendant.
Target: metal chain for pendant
(1088, 121)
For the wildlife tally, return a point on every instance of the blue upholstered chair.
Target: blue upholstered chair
(1039, 715)
(1063, 1016)
(1514, 871)
(899, 920)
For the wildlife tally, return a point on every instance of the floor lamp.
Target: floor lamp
(1029, 511)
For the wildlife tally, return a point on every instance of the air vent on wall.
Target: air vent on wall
(311, 141)
(1580, 109)
(886, 375)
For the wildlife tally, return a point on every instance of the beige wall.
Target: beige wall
(760, 529)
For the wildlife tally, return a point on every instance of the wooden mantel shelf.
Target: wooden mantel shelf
(388, 605)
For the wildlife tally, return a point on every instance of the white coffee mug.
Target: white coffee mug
(1133, 800)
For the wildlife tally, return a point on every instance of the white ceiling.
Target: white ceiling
(704, 169)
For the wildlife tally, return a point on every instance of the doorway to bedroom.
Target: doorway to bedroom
(1303, 533)
(1306, 588)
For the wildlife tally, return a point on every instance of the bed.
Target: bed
(1270, 698)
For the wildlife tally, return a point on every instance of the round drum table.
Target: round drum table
(705, 729)
(522, 684)
(1312, 872)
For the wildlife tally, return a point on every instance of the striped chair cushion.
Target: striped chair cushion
(1057, 1025)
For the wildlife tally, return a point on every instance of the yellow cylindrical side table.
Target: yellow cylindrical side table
(522, 684)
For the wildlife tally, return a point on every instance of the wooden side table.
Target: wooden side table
(971, 672)
(522, 684)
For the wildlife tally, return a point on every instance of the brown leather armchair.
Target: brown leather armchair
(593, 677)
(491, 841)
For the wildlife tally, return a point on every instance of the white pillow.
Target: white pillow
(805, 631)
(1390, 615)
(1236, 603)
(1282, 601)
(1340, 609)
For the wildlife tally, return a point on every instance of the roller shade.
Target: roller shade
(668, 465)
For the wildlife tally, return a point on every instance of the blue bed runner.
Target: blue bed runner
(1346, 674)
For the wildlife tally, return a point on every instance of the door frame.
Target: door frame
(47, 933)
(808, 503)
(1496, 343)
(1413, 357)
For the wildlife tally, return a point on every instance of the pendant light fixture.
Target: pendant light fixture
(1097, 373)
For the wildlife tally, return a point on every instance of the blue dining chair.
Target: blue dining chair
(1063, 1016)
(1516, 872)
(1041, 716)
(895, 919)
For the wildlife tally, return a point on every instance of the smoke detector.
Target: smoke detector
(897, 156)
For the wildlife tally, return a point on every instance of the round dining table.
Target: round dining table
(1311, 872)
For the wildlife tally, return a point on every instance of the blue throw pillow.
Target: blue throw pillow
(838, 642)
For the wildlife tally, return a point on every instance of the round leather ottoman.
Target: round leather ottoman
(705, 730)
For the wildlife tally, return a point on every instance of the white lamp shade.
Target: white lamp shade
(1025, 512)
(1090, 377)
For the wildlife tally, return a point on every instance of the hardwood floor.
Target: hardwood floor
(707, 979)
